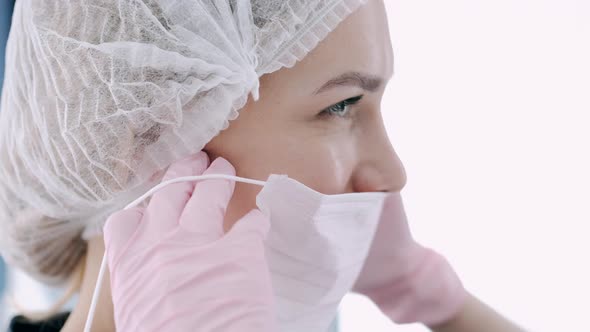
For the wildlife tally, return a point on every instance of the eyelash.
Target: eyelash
(338, 109)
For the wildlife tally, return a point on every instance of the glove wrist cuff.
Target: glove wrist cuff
(431, 293)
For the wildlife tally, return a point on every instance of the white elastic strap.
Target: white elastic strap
(103, 264)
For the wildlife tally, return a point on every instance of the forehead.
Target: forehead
(361, 43)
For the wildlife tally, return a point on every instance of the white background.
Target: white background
(489, 110)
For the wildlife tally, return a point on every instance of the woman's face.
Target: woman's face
(320, 122)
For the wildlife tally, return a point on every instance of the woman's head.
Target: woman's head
(99, 96)
(320, 122)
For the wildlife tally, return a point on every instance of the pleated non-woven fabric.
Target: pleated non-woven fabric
(100, 95)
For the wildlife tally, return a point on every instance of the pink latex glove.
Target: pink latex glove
(408, 282)
(172, 268)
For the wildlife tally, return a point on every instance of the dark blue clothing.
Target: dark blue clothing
(6, 7)
(54, 324)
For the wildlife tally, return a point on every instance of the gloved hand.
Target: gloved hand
(172, 268)
(408, 282)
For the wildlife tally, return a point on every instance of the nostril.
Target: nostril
(371, 179)
(389, 176)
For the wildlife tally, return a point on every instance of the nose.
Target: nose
(380, 168)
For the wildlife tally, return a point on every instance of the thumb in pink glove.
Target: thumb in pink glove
(172, 268)
(408, 282)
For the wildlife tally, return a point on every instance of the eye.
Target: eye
(340, 109)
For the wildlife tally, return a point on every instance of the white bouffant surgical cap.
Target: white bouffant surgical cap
(101, 95)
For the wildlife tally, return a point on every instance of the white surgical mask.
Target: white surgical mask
(316, 247)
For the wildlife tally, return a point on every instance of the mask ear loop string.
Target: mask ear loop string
(103, 264)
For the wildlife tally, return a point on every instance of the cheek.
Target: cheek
(327, 167)
(324, 164)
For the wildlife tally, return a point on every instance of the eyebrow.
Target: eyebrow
(366, 82)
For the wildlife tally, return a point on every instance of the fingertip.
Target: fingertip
(224, 167)
(129, 216)
(221, 166)
(194, 164)
(209, 201)
(202, 156)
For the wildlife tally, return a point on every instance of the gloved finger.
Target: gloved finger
(254, 222)
(167, 204)
(119, 229)
(205, 211)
